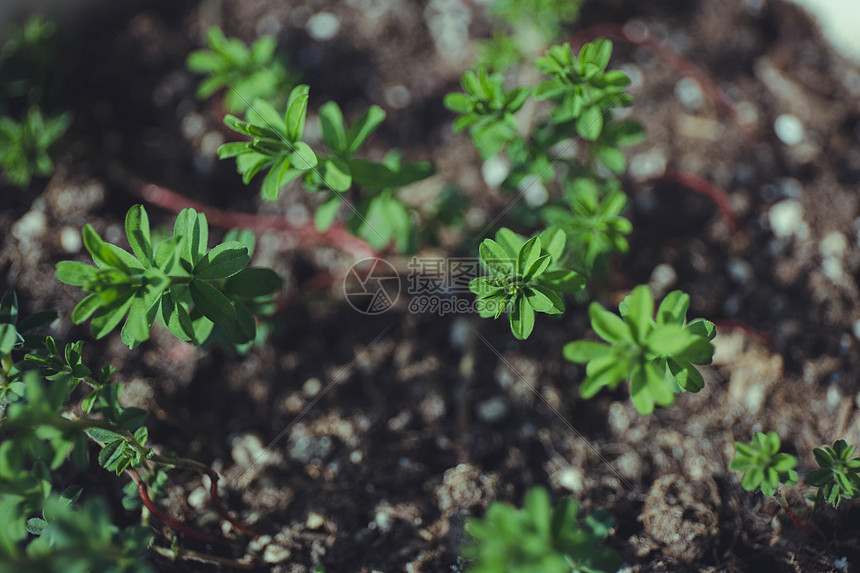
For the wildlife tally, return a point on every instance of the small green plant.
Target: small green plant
(763, 466)
(838, 476)
(582, 86)
(190, 287)
(593, 224)
(43, 428)
(539, 538)
(378, 217)
(25, 146)
(246, 73)
(487, 110)
(524, 278)
(657, 357)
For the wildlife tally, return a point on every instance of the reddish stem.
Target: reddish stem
(320, 281)
(702, 186)
(169, 521)
(216, 501)
(336, 235)
(717, 97)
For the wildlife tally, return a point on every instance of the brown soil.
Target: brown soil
(362, 443)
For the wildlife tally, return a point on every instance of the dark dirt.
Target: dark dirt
(361, 443)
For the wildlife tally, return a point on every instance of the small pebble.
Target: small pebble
(312, 387)
(689, 93)
(323, 26)
(314, 521)
(276, 554)
(789, 129)
(30, 226)
(786, 218)
(495, 170)
(70, 240)
(492, 410)
(397, 96)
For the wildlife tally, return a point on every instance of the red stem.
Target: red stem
(172, 201)
(717, 97)
(169, 521)
(702, 186)
(216, 501)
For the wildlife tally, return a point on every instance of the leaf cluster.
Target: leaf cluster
(539, 537)
(657, 356)
(378, 217)
(25, 145)
(180, 281)
(764, 467)
(248, 73)
(593, 223)
(524, 278)
(582, 86)
(837, 476)
(487, 110)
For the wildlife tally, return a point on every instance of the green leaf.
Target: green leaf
(233, 149)
(510, 241)
(107, 317)
(336, 174)
(212, 303)
(637, 308)
(137, 231)
(590, 124)
(102, 255)
(522, 318)
(668, 340)
(527, 256)
(607, 325)
(274, 180)
(222, 261)
(556, 304)
(253, 282)
(75, 273)
(673, 309)
(303, 157)
(334, 133)
(296, 109)
(8, 338)
(192, 229)
(583, 351)
(137, 325)
(327, 211)
(176, 318)
(363, 127)
(496, 258)
(457, 102)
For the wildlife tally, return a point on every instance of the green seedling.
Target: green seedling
(593, 224)
(378, 217)
(487, 110)
(276, 145)
(245, 73)
(539, 537)
(524, 278)
(838, 476)
(763, 466)
(25, 146)
(190, 287)
(657, 357)
(585, 89)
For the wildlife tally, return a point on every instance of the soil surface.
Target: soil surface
(361, 443)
